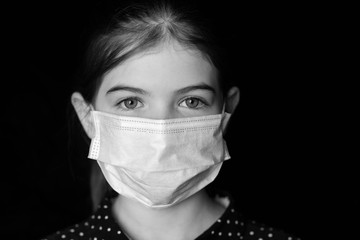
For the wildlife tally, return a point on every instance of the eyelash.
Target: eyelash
(127, 99)
(202, 102)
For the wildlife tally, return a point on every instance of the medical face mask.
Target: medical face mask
(159, 162)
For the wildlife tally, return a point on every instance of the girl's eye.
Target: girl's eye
(130, 103)
(192, 103)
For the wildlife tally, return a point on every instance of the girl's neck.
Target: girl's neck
(185, 220)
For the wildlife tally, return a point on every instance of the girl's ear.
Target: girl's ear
(232, 99)
(82, 109)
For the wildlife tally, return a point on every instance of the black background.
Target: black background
(275, 137)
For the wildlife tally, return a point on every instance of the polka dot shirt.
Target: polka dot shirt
(231, 225)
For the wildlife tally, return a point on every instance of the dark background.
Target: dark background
(275, 138)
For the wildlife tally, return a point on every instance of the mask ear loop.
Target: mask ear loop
(223, 109)
(91, 107)
(94, 150)
(225, 119)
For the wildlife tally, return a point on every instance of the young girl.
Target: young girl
(155, 104)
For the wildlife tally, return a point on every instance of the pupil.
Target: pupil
(131, 103)
(192, 102)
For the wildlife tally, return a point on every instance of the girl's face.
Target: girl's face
(171, 82)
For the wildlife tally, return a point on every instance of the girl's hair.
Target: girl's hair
(135, 29)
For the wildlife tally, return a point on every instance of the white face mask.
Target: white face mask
(159, 162)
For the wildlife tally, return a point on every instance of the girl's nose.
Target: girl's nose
(161, 112)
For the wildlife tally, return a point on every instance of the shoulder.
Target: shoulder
(254, 230)
(77, 231)
(100, 225)
(234, 225)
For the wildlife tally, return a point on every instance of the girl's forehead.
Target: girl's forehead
(168, 67)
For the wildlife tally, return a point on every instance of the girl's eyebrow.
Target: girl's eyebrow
(184, 90)
(127, 88)
(202, 86)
